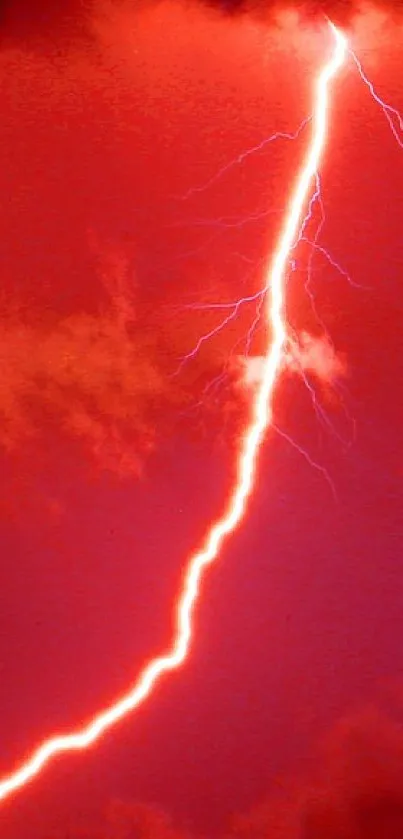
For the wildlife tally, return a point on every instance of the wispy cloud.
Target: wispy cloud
(84, 375)
(310, 354)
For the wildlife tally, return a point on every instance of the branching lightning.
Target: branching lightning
(393, 116)
(247, 459)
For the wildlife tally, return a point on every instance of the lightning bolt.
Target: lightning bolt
(247, 460)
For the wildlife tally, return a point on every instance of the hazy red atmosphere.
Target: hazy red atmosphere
(129, 211)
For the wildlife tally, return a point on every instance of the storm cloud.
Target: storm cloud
(341, 11)
(68, 17)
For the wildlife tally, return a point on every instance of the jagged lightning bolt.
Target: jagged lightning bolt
(247, 459)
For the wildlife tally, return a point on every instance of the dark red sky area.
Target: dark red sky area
(114, 462)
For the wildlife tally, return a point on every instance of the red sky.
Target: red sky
(114, 462)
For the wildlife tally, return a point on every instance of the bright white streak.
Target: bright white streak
(247, 462)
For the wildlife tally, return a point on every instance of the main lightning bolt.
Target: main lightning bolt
(247, 460)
